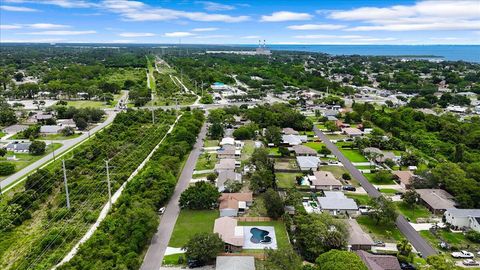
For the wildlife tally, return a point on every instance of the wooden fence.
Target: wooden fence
(253, 219)
(260, 256)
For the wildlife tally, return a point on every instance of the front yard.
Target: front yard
(378, 231)
(206, 161)
(457, 240)
(286, 180)
(353, 155)
(191, 222)
(419, 211)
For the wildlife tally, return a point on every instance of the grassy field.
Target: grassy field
(172, 259)
(59, 137)
(248, 149)
(257, 209)
(206, 161)
(454, 239)
(87, 103)
(420, 211)
(388, 190)
(336, 136)
(25, 159)
(2, 134)
(353, 155)
(280, 231)
(371, 179)
(191, 222)
(314, 145)
(365, 167)
(286, 180)
(210, 143)
(337, 171)
(378, 231)
(361, 199)
(273, 151)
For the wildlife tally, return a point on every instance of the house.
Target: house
(224, 176)
(19, 147)
(233, 204)
(67, 123)
(294, 139)
(50, 129)
(302, 150)
(336, 203)
(14, 129)
(357, 238)
(230, 233)
(384, 156)
(341, 124)
(325, 181)
(228, 151)
(231, 141)
(332, 118)
(289, 131)
(372, 151)
(463, 218)
(404, 178)
(378, 262)
(328, 113)
(352, 132)
(436, 200)
(306, 163)
(40, 118)
(225, 164)
(235, 263)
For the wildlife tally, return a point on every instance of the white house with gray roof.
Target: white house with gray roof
(463, 218)
(337, 203)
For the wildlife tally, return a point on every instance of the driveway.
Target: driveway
(158, 245)
(408, 231)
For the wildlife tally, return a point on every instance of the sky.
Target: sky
(241, 22)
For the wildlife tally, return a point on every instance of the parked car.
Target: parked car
(161, 211)
(463, 254)
(194, 263)
(470, 262)
(379, 243)
(406, 266)
(349, 188)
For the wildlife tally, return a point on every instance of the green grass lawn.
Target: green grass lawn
(206, 161)
(257, 209)
(365, 167)
(87, 103)
(371, 179)
(321, 126)
(337, 171)
(248, 149)
(336, 136)
(314, 145)
(420, 211)
(308, 133)
(361, 199)
(2, 134)
(210, 143)
(280, 231)
(59, 137)
(388, 190)
(286, 180)
(353, 155)
(273, 151)
(172, 259)
(25, 159)
(454, 239)
(378, 231)
(191, 222)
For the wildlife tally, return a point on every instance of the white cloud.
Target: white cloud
(18, 9)
(138, 11)
(9, 26)
(62, 33)
(41, 40)
(179, 34)
(330, 36)
(47, 26)
(282, 16)
(207, 29)
(250, 37)
(316, 27)
(122, 41)
(60, 3)
(422, 16)
(212, 36)
(130, 34)
(213, 6)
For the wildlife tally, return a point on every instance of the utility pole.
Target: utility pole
(65, 182)
(108, 182)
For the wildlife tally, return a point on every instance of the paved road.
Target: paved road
(154, 257)
(67, 145)
(408, 231)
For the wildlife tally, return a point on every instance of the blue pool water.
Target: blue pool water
(260, 236)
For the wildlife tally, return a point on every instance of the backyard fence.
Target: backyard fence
(260, 256)
(253, 219)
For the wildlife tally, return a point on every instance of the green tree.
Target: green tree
(324, 151)
(331, 126)
(281, 259)
(261, 180)
(440, 262)
(404, 251)
(3, 152)
(216, 131)
(202, 195)
(383, 211)
(204, 247)
(37, 148)
(284, 152)
(273, 203)
(273, 135)
(6, 168)
(346, 176)
(340, 260)
(411, 198)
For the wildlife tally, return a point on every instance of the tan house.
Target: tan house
(302, 150)
(234, 204)
(228, 151)
(357, 238)
(289, 131)
(404, 178)
(436, 200)
(352, 132)
(230, 233)
(379, 262)
(325, 180)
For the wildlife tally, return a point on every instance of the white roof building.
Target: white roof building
(307, 163)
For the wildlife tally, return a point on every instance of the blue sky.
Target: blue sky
(241, 22)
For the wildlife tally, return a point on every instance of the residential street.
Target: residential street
(154, 257)
(407, 230)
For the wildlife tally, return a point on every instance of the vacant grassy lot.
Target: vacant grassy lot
(191, 222)
(457, 240)
(210, 143)
(353, 155)
(371, 178)
(248, 149)
(388, 190)
(273, 151)
(337, 171)
(286, 164)
(314, 145)
(286, 180)
(87, 103)
(206, 161)
(419, 211)
(378, 231)
(361, 199)
(336, 136)
(280, 231)
(59, 137)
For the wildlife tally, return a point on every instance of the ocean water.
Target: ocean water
(469, 53)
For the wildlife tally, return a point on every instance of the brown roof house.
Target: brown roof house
(302, 150)
(352, 132)
(228, 151)
(357, 238)
(230, 233)
(379, 262)
(404, 178)
(233, 204)
(436, 200)
(227, 175)
(325, 180)
(225, 164)
(289, 131)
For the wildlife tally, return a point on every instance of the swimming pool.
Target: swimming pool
(260, 236)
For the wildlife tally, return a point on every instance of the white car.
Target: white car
(470, 262)
(462, 255)
(161, 211)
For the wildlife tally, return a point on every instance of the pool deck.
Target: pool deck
(250, 245)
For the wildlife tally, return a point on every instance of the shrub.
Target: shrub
(6, 168)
